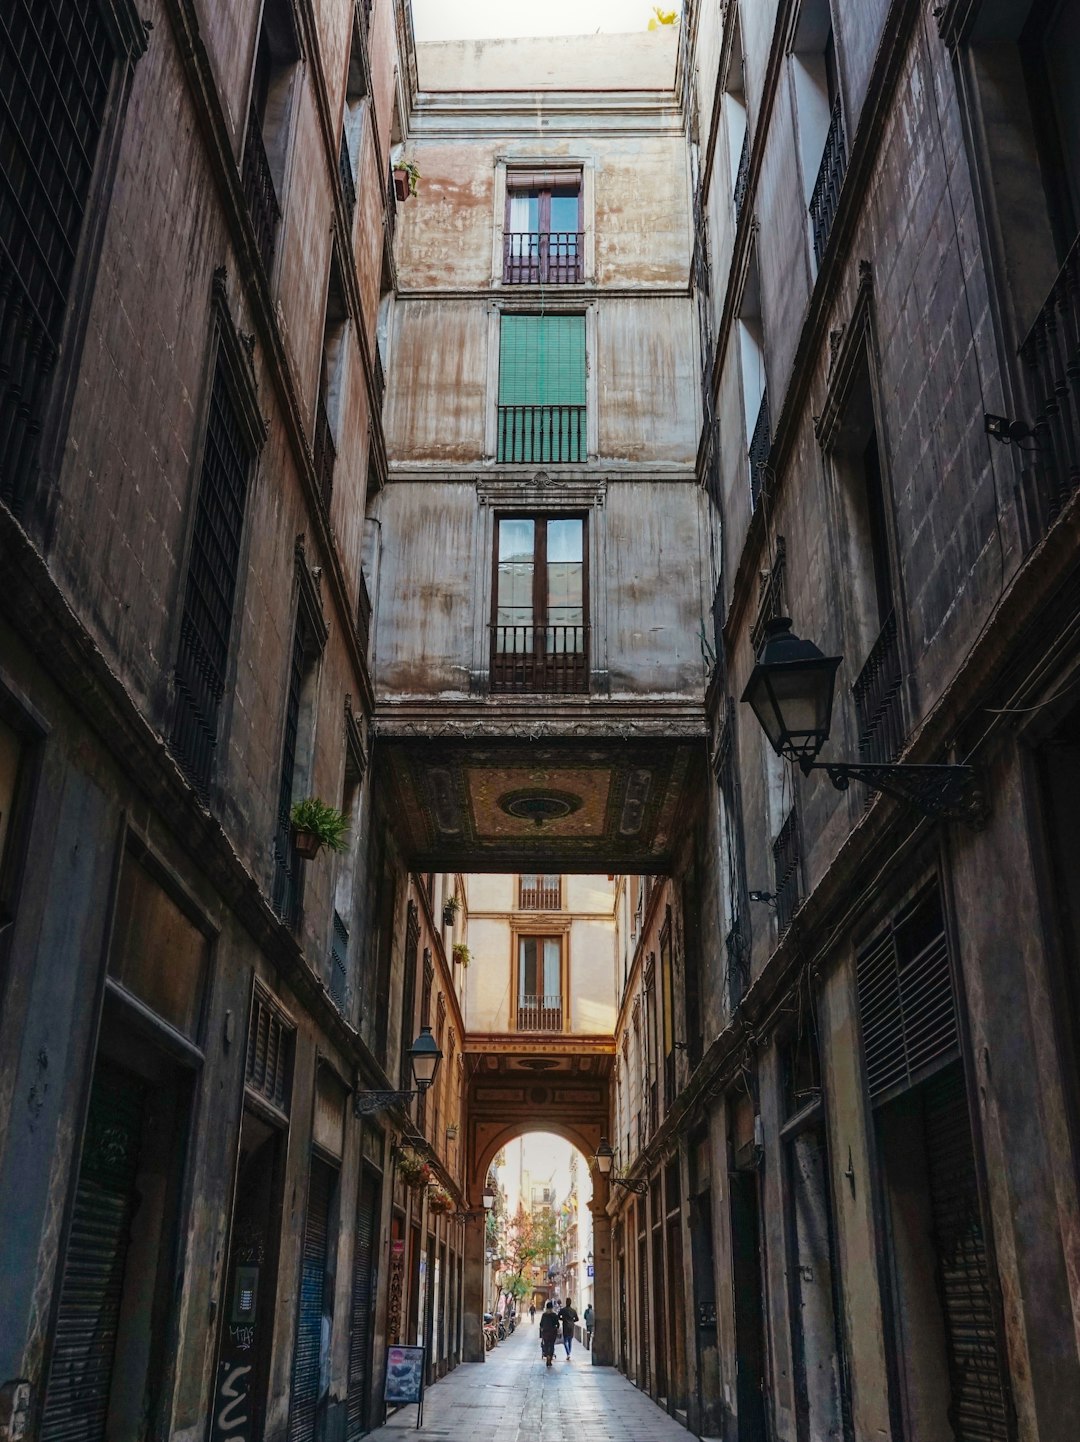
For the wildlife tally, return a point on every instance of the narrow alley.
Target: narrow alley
(515, 1398)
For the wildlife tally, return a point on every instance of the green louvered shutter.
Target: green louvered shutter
(542, 388)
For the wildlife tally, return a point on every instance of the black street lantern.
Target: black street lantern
(425, 1056)
(605, 1160)
(791, 693)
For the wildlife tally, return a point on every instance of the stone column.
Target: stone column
(603, 1342)
(472, 1331)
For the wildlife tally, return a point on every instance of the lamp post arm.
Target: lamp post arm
(364, 1103)
(944, 793)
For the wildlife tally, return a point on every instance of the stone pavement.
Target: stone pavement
(512, 1397)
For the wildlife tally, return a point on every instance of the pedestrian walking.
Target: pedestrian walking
(588, 1318)
(567, 1316)
(532, 1313)
(549, 1330)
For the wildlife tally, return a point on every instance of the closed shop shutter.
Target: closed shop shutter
(363, 1296)
(978, 1410)
(307, 1357)
(80, 1373)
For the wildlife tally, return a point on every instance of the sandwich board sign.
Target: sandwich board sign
(404, 1384)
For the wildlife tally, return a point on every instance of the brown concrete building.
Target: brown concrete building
(470, 512)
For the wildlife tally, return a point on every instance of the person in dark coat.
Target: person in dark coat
(549, 1330)
(567, 1316)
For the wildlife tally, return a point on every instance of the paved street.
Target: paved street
(513, 1398)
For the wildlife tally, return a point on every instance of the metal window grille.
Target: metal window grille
(1049, 353)
(259, 191)
(548, 258)
(348, 184)
(879, 706)
(742, 178)
(269, 1053)
(758, 450)
(830, 179)
(906, 1001)
(206, 622)
(288, 869)
(56, 65)
(339, 963)
(324, 451)
(787, 870)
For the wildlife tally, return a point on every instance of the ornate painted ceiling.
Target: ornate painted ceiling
(487, 805)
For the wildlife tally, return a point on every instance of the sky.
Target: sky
(489, 19)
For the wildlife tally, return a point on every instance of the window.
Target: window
(331, 372)
(288, 886)
(542, 238)
(820, 119)
(206, 621)
(352, 126)
(539, 637)
(56, 61)
(539, 893)
(541, 409)
(738, 130)
(539, 984)
(750, 331)
(267, 139)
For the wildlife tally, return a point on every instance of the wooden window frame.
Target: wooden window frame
(547, 667)
(552, 931)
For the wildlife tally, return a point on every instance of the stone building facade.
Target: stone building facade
(858, 1130)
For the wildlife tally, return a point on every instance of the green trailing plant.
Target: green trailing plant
(329, 826)
(411, 171)
(462, 954)
(451, 907)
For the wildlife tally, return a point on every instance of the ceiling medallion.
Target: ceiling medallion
(536, 804)
(538, 1063)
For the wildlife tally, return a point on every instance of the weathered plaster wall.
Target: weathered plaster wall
(639, 61)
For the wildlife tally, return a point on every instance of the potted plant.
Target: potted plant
(461, 954)
(316, 825)
(414, 1170)
(406, 179)
(440, 1200)
(451, 907)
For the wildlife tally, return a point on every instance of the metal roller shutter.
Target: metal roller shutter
(306, 1359)
(80, 1373)
(363, 1294)
(978, 1410)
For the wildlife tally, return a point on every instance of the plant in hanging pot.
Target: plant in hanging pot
(314, 825)
(451, 907)
(440, 1200)
(406, 179)
(462, 955)
(413, 1169)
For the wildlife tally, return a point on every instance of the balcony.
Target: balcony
(259, 192)
(542, 893)
(324, 452)
(533, 435)
(539, 659)
(742, 178)
(348, 185)
(830, 179)
(758, 450)
(553, 258)
(539, 1013)
(1051, 359)
(879, 707)
(786, 871)
(363, 615)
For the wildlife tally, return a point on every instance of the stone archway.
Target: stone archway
(506, 1100)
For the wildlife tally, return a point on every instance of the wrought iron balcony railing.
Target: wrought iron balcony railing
(1051, 357)
(380, 380)
(27, 356)
(544, 895)
(363, 615)
(758, 450)
(324, 452)
(788, 881)
(528, 435)
(259, 192)
(552, 258)
(879, 706)
(830, 179)
(539, 1013)
(742, 178)
(348, 184)
(539, 659)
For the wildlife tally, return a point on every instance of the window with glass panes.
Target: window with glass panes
(539, 984)
(542, 238)
(541, 408)
(540, 633)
